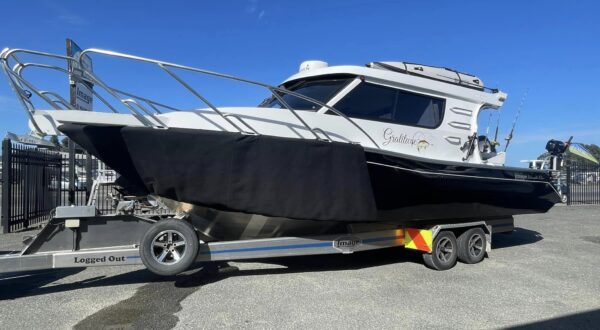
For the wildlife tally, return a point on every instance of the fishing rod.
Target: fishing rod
(510, 135)
(487, 129)
(495, 140)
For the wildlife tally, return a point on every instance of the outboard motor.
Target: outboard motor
(556, 148)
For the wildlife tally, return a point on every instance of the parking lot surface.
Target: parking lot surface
(546, 273)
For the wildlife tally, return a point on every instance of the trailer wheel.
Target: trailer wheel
(471, 246)
(443, 252)
(169, 247)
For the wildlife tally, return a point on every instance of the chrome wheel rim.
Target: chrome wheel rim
(168, 247)
(475, 245)
(444, 249)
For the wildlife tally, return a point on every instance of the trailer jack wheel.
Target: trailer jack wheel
(169, 247)
(471, 246)
(444, 252)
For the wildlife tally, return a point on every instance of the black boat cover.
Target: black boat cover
(273, 176)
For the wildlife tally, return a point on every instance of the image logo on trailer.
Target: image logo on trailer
(347, 244)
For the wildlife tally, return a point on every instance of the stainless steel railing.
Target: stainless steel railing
(142, 108)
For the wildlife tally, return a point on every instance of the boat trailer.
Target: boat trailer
(77, 236)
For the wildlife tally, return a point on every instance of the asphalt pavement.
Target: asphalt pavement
(545, 274)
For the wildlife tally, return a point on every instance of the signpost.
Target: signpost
(81, 98)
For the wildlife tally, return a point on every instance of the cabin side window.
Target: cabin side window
(380, 103)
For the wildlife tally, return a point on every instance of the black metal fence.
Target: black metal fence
(583, 183)
(36, 180)
(31, 185)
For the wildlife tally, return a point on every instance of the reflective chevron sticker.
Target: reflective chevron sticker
(418, 239)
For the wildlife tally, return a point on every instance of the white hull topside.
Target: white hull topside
(442, 143)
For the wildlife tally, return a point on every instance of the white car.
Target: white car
(64, 184)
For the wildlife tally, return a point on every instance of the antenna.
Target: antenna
(510, 135)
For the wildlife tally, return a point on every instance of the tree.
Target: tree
(593, 149)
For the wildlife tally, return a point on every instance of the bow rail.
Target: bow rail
(144, 109)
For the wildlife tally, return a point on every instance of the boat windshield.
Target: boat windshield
(322, 90)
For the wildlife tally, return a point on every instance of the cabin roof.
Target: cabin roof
(488, 98)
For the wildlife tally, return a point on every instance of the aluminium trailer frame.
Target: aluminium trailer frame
(77, 237)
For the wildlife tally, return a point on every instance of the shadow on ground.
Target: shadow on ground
(585, 320)
(520, 236)
(154, 304)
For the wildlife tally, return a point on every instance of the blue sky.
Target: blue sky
(551, 48)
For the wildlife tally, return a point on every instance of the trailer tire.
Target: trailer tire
(169, 247)
(443, 252)
(471, 246)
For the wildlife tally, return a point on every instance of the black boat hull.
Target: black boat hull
(308, 180)
(415, 189)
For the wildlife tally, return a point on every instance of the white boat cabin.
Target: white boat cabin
(406, 108)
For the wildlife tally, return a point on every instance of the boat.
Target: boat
(386, 143)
